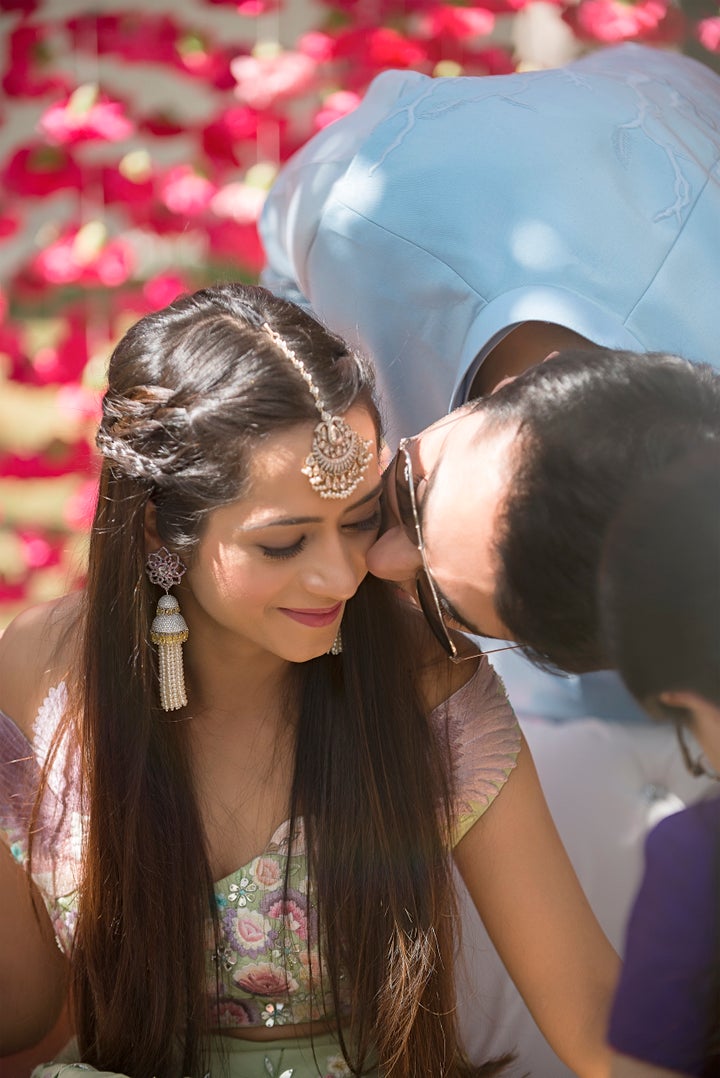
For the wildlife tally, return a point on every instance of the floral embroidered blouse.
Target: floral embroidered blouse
(266, 956)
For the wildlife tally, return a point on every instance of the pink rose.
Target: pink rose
(228, 133)
(239, 242)
(85, 254)
(294, 916)
(708, 33)
(611, 20)
(334, 106)
(250, 927)
(37, 170)
(266, 871)
(457, 22)
(262, 81)
(185, 191)
(240, 201)
(265, 979)
(163, 289)
(84, 117)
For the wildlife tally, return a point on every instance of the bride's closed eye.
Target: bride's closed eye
(279, 552)
(369, 523)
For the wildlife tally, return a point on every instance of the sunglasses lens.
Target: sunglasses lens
(404, 498)
(407, 510)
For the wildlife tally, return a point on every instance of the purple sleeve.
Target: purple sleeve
(662, 1010)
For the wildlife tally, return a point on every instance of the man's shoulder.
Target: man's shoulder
(688, 833)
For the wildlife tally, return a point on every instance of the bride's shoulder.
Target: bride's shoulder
(36, 651)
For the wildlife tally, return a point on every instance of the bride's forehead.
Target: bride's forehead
(275, 479)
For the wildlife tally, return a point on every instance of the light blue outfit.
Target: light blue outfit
(443, 212)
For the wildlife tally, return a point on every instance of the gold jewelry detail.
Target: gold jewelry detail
(169, 629)
(339, 456)
(337, 644)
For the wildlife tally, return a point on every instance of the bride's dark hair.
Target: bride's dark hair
(192, 391)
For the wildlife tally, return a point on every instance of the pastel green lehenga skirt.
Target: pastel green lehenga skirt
(231, 1057)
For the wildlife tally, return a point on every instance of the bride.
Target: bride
(237, 768)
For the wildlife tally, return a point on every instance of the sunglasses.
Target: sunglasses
(696, 767)
(455, 645)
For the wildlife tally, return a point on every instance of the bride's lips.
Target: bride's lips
(317, 619)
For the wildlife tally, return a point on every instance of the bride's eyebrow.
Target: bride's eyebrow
(370, 496)
(285, 522)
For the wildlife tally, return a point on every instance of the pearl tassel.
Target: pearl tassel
(337, 646)
(169, 631)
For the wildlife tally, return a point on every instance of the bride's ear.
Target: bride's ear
(152, 539)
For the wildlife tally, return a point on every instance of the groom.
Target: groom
(459, 231)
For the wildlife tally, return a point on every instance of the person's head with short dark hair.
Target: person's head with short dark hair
(660, 593)
(515, 492)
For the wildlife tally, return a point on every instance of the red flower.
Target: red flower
(608, 21)
(163, 289)
(162, 125)
(185, 191)
(318, 45)
(25, 6)
(37, 551)
(381, 10)
(79, 509)
(376, 48)
(37, 171)
(11, 348)
(135, 36)
(29, 72)
(249, 8)
(156, 217)
(239, 244)
(15, 592)
(63, 360)
(510, 7)
(495, 60)
(241, 202)
(224, 136)
(9, 224)
(83, 117)
(708, 33)
(58, 459)
(85, 255)
(451, 56)
(334, 106)
(198, 57)
(131, 182)
(458, 22)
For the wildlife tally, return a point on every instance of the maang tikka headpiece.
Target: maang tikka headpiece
(339, 456)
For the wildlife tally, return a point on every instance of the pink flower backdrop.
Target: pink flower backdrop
(136, 152)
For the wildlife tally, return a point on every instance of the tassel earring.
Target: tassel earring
(169, 629)
(337, 646)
